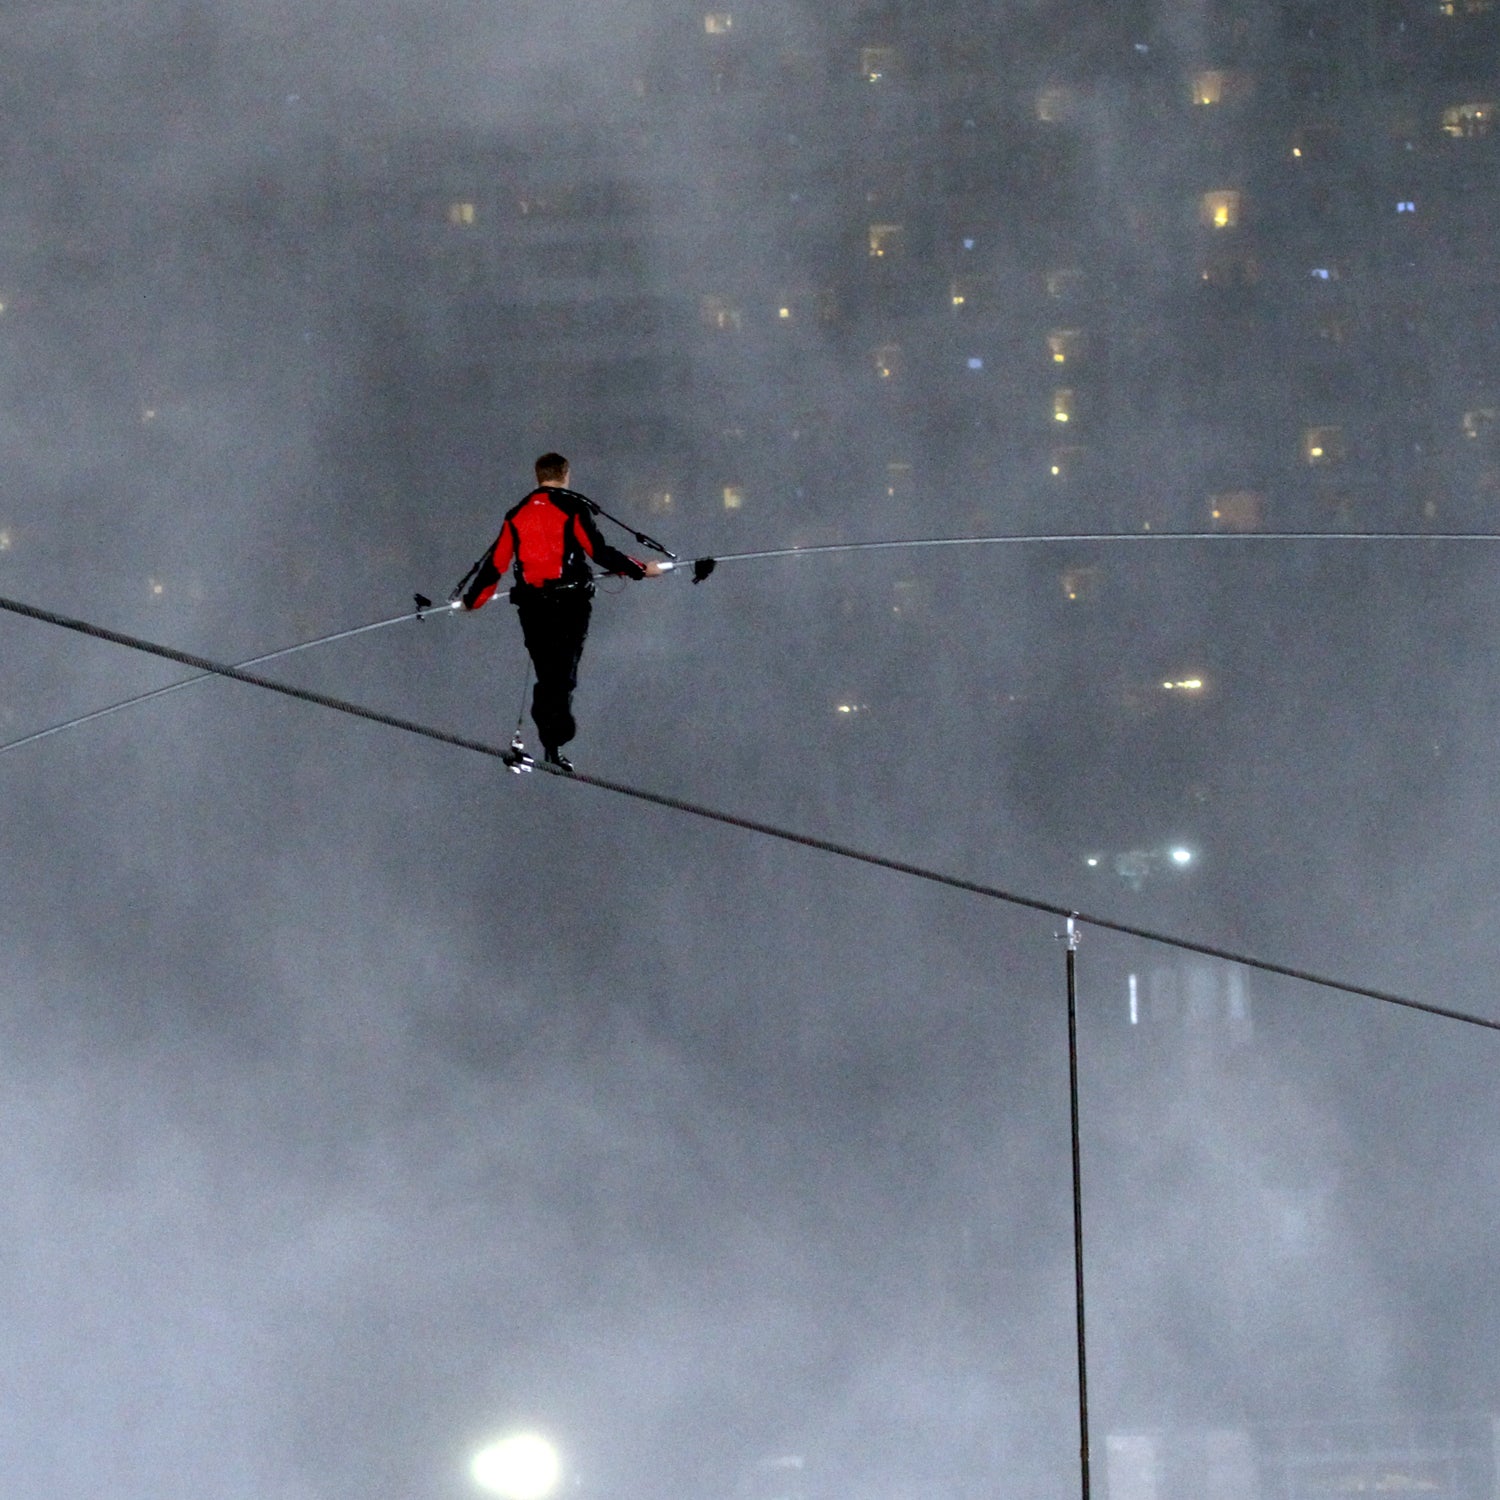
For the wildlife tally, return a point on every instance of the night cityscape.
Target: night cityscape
(376, 1123)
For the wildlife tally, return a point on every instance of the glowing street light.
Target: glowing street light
(523, 1466)
(1181, 856)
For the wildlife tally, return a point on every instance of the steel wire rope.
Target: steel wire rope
(915, 543)
(207, 666)
(252, 661)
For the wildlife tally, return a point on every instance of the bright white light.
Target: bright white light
(1182, 856)
(1092, 861)
(524, 1466)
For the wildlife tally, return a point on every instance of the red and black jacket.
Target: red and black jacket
(550, 538)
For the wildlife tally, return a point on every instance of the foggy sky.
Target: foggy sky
(361, 1103)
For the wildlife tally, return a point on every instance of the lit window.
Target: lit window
(974, 362)
(1468, 121)
(718, 23)
(1220, 210)
(460, 213)
(1063, 405)
(1064, 463)
(1063, 282)
(877, 63)
(1406, 206)
(885, 240)
(734, 497)
(1079, 583)
(148, 414)
(1480, 423)
(888, 361)
(898, 480)
(958, 293)
(1065, 345)
(157, 587)
(1220, 86)
(5, 541)
(909, 598)
(1322, 446)
(659, 502)
(1465, 7)
(1237, 510)
(1053, 105)
(1183, 685)
(721, 314)
(784, 314)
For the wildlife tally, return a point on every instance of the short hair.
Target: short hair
(551, 466)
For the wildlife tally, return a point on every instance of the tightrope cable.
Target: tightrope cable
(172, 687)
(733, 820)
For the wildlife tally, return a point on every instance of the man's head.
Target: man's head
(552, 468)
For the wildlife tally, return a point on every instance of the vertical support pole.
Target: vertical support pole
(1071, 938)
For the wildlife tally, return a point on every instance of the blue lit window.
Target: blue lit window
(975, 363)
(1406, 206)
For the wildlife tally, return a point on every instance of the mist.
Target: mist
(363, 1104)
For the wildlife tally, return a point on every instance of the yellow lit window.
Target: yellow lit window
(1208, 88)
(888, 361)
(1220, 86)
(1063, 282)
(1053, 105)
(157, 587)
(1220, 210)
(884, 241)
(659, 501)
(1063, 406)
(721, 314)
(734, 497)
(1079, 583)
(1237, 510)
(1065, 345)
(784, 313)
(1465, 7)
(460, 213)
(1480, 423)
(877, 63)
(1064, 463)
(1322, 446)
(1468, 121)
(958, 293)
(718, 23)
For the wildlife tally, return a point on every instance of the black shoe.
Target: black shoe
(515, 758)
(558, 759)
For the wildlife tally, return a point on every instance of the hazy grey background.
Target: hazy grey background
(361, 1103)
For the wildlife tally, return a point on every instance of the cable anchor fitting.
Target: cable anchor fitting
(1072, 935)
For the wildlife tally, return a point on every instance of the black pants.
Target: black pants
(554, 623)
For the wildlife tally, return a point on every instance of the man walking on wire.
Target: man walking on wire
(550, 538)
